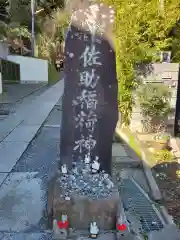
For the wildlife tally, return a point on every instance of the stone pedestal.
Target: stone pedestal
(84, 198)
(82, 210)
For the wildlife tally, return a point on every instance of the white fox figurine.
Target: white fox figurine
(64, 169)
(87, 159)
(94, 230)
(95, 166)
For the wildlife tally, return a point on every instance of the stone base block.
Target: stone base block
(82, 209)
(103, 236)
(78, 235)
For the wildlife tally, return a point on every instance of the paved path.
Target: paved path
(17, 95)
(18, 130)
(15, 92)
(25, 188)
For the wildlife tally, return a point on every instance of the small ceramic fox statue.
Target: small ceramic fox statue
(95, 167)
(87, 159)
(94, 230)
(64, 169)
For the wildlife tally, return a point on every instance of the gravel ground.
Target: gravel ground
(82, 182)
(166, 176)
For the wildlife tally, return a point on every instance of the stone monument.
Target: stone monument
(90, 110)
(84, 190)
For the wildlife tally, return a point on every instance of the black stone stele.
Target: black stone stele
(177, 110)
(90, 111)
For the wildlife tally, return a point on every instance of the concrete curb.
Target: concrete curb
(168, 219)
(123, 160)
(155, 192)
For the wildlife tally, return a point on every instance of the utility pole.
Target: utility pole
(32, 27)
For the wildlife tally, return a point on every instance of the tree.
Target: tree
(51, 4)
(52, 34)
(4, 15)
(141, 30)
(24, 7)
(4, 18)
(175, 46)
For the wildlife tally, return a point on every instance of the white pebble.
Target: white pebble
(71, 55)
(67, 198)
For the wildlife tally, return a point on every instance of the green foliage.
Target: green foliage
(3, 30)
(154, 100)
(50, 3)
(12, 31)
(164, 137)
(145, 236)
(175, 48)
(60, 21)
(20, 12)
(51, 35)
(4, 19)
(163, 156)
(141, 30)
(53, 75)
(46, 48)
(24, 7)
(4, 11)
(18, 32)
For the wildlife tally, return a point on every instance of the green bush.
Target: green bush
(140, 32)
(154, 100)
(162, 137)
(53, 75)
(163, 156)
